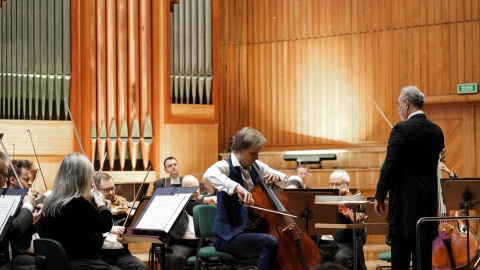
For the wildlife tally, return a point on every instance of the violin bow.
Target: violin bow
(38, 162)
(99, 170)
(74, 126)
(10, 161)
(384, 117)
(136, 196)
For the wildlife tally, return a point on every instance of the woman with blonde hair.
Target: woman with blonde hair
(72, 214)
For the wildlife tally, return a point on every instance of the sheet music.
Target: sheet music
(8, 206)
(162, 209)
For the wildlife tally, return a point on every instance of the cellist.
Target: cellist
(233, 181)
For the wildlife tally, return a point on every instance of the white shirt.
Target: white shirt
(218, 174)
(415, 113)
(190, 232)
(175, 181)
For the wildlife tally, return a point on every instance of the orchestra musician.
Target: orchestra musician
(339, 248)
(112, 251)
(170, 165)
(183, 242)
(208, 196)
(72, 214)
(443, 167)
(19, 232)
(233, 181)
(302, 172)
(23, 168)
(409, 176)
(294, 182)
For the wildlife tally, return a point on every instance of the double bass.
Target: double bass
(296, 248)
(449, 249)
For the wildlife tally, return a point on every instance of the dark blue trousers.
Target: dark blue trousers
(249, 245)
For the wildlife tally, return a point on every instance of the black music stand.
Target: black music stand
(302, 202)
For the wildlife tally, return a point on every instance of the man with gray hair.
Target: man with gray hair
(339, 248)
(409, 176)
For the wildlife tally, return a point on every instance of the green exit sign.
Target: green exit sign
(467, 88)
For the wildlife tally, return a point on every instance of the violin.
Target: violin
(347, 211)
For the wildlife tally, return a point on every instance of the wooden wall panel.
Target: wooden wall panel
(333, 70)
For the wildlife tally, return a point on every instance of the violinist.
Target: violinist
(72, 214)
(23, 253)
(23, 169)
(339, 248)
(232, 178)
(112, 251)
(22, 223)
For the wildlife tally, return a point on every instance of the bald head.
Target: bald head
(190, 181)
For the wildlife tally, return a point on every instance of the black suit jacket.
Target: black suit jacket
(164, 182)
(409, 173)
(18, 231)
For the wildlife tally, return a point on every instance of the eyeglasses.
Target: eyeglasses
(337, 185)
(107, 190)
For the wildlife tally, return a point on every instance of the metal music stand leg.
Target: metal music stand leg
(356, 238)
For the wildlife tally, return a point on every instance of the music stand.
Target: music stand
(302, 202)
(453, 190)
(457, 193)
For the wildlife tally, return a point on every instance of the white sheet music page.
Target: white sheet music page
(8, 205)
(163, 212)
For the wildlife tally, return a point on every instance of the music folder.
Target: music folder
(10, 200)
(160, 215)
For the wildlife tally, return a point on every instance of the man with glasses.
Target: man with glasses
(112, 251)
(338, 248)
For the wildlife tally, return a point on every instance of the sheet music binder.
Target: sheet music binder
(160, 215)
(10, 200)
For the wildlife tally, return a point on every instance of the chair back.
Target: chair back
(204, 219)
(49, 255)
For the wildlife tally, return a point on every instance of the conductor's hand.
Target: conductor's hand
(244, 195)
(99, 198)
(379, 207)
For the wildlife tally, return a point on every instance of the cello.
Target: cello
(449, 249)
(296, 249)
